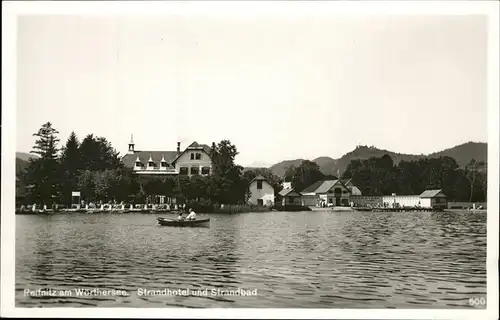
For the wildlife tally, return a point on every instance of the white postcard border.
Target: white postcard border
(13, 9)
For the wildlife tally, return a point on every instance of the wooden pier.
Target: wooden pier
(406, 209)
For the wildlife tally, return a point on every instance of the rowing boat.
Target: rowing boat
(183, 223)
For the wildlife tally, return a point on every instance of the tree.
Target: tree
(152, 187)
(304, 175)
(196, 188)
(471, 175)
(226, 183)
(70, 164)
(98, 154)
(86, 184)
(180, 188)
(46, 144)
(43, 173)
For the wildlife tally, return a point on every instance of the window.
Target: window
(198, 156)
(163, 164)
(151, 164)
(195, 170)
(205, 170)
(183, 170)
(192, 156)
(138, 164)
(259, 184)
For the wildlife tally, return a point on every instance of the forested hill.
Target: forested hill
(462, 154)
(22, 161)
(465, 152)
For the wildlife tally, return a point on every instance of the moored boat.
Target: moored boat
(183, 223)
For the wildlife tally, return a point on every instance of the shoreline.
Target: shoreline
(225, 210)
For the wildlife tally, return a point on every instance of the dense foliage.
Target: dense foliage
(379, 176)
(304, 175)
(93, 167)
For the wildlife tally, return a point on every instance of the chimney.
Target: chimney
(178, 147)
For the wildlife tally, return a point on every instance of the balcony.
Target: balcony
(155, 170)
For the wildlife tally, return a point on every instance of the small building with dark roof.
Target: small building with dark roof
(289, 197)
(435, 199)
(194, 160)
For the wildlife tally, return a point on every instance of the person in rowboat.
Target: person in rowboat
(192, 215)
(180, 217)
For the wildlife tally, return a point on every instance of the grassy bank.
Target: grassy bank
(241, 208)
(207, 207)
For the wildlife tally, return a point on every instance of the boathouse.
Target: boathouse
(326, 193)
(435, 199)
(289, 197)
(429, 199)
(261, 192)
(401, 201)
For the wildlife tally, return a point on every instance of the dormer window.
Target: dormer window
(163, 163)
(138, 163)
(151, 164)
(198, 156)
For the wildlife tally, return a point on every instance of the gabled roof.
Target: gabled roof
(432, 193)
(312, 187)
(259, 177)
(322, 186)
(355, 190)
(327, 185)
(286, 192)
(194, 146)
(346, 181)
(130, 159)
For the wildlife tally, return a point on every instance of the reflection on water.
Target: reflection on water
(292, 259)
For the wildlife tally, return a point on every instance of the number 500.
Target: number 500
(477, 301)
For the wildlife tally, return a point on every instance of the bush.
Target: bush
(292, 208)
(206, 206)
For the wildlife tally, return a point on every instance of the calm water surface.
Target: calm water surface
(292, 259)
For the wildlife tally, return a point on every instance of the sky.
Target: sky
(278, 87)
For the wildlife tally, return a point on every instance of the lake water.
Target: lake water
(281, 259)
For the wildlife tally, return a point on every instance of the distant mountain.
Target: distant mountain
(364, 152)
(25, 156)
(280, 168)
(21, 165)
(22, 161)
(259, 164)
(462, 154)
